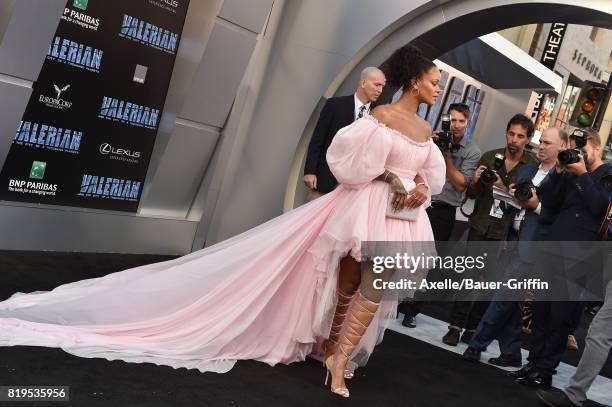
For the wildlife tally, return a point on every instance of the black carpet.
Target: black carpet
(402, 371)
(22, 271)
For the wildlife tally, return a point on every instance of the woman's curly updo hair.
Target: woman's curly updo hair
(406, 65)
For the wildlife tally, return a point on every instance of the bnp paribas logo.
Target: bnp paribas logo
(38, 170)
(82, 4)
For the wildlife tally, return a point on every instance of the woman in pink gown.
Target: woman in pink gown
(275, 291)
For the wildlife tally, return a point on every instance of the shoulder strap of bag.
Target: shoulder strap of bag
(465, 198)
(606, 225)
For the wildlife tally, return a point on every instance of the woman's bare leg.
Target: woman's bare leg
(349, 278)
(350, 275)
(360, 316)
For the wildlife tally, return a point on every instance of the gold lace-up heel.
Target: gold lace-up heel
(359, 319)
(344, 300)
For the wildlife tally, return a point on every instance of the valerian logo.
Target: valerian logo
(39, 135)
(128, 112)
(148, 34)
(82, 56)
(95, 186)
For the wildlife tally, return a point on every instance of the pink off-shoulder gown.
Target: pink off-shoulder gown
(267, 294)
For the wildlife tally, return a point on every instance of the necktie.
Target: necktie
(362, 110)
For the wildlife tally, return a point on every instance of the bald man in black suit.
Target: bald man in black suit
(337, 113)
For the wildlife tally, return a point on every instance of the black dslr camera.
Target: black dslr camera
(606, 181)
(488, 176)
(445, 140)
(523, 191)
(570, 156)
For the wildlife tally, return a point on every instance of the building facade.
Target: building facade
(582, 55)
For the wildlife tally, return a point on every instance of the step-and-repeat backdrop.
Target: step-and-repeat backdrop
(89, 128)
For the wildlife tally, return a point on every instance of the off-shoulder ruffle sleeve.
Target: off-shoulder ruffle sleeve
(358, 153)
(433, 171)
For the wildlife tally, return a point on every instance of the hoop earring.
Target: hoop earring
(412, 91)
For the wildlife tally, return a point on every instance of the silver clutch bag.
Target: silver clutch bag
(404, 214)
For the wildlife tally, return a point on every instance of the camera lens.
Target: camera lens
(488, 177)
(568, 156)
(606, 181)
(443, 141)
(523, 191)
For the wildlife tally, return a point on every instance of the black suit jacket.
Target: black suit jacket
(337, 113)
(531, 228)
(581, 202)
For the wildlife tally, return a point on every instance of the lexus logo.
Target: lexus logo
(105, 148)
(118, 153)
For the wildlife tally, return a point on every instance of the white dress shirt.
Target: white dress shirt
(536, 181)
(358, 104)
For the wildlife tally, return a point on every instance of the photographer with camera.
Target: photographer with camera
(576, 192)
(461, 157)
(553, 142)
(503, 319)
(496, 167)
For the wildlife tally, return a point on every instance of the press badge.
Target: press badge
(496, 210)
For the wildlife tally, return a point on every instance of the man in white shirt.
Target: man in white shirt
(553, 140)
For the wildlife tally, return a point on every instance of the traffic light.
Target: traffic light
(588, 104)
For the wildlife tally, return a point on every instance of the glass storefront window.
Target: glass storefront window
(544, 117)
(567, 105)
